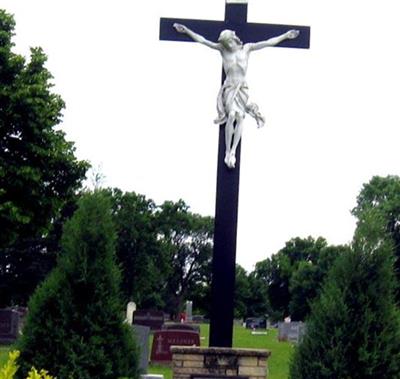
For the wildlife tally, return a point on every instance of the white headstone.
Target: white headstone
(130, 309)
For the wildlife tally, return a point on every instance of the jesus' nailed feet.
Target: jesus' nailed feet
(230, 159)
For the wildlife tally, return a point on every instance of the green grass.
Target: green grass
(4, 354)
(278, 363)
(160, 369)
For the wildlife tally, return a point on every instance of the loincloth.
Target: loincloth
(233, 98)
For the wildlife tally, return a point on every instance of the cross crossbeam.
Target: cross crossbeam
(248, 32)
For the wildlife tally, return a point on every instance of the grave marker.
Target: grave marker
(189, 311)
(151, 318)
(9, 326)
(164, 339)
(291, 331)
(142, 334)
(130, 309)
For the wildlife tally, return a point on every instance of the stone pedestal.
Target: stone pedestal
(215, 362)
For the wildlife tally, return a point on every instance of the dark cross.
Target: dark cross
(226, 210)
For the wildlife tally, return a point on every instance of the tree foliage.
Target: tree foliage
(138, 248)
(39, 173)
(294, 275)
(164, 252)
(258, 304)
(306, 281)
(242, 292)
(186, 240)
(378, 214)
(75, 327)
(251, 297)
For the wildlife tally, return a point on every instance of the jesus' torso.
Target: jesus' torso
(235, 64)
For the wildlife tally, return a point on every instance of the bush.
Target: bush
(75, 327)
(11, 367)
(353, 331)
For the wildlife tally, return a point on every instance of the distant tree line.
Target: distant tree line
(164, 252)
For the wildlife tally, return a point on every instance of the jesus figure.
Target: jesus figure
(232, 102)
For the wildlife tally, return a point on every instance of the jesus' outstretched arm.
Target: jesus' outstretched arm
(196, 37)
(291, 34)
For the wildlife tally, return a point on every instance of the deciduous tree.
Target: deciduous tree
(307, 280)
(278, 270)
(39, 172)
(139, 251)
(187, 242)
(378, 214)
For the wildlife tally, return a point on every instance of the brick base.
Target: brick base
(218, 361)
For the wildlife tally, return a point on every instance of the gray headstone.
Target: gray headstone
(9, 326)
(142, 334)
(189, 310)
(146, 317)
(23, 312)
(302, 330)
(291, 331)
(199, 319)
(256, 323)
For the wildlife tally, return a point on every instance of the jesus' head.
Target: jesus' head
(228, 38)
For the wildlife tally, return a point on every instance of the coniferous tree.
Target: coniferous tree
(75, 324)
(354, 329)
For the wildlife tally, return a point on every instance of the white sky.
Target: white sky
(143, 110)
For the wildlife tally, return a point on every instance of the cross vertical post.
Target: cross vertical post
(225, 227)
(227, 194)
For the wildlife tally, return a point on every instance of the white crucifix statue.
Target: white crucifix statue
(233, 98)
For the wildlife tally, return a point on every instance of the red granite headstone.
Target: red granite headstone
(164, 339)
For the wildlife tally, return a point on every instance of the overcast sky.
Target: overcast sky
(143, 110)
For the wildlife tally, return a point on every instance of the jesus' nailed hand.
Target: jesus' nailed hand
(232, 102)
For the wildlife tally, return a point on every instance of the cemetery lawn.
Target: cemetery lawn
(278, 363)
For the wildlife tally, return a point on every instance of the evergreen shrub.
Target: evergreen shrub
(353, 331)
(75, 325)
